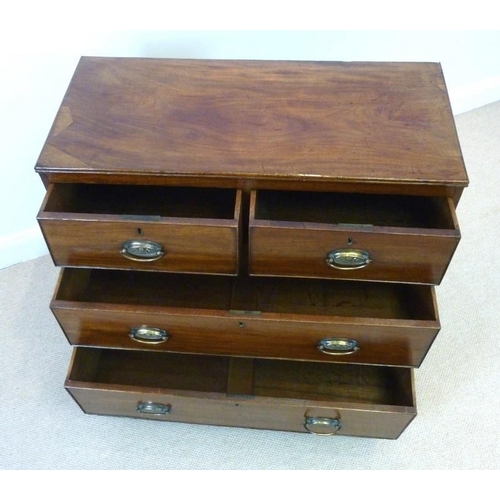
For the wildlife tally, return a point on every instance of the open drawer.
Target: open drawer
(351, 236)
(162, 228)
(331, 399)
(289, 318)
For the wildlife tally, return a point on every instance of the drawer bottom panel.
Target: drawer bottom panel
(321, 398)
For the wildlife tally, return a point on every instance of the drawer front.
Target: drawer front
(353, 252)
(326, 320)
(185, 237)
(184, 248)
(240, 412)
(240, 335)
(262, 407)
(392, 257)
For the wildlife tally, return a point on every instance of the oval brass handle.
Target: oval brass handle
(335, 346)
(142, 250)
(330, 425)
(148, 335)
(348, 259)
(150, 408)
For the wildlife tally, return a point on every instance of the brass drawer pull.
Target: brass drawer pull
(150, 408)
(148, 335)
(336, 347)
(142, 250)
(328, 426)
(348, 259)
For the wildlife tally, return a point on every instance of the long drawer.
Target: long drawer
(161, 228)
(351, 236)
(330, 399)
(300, 319)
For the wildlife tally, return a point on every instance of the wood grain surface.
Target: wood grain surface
(368, 401)
(256, 120)
(198, 230)
(409, 239)
(242, 168)
(259, 317)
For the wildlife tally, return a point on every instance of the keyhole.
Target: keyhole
(139, 231)
(349, 241)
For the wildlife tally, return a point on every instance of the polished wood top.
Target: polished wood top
(294, 121)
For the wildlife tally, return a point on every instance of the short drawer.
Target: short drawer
(351, 236)
(162, 228)
(302, 319)
(348, 400)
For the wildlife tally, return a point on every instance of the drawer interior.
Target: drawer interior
(160, 201)
(352, 208)
(262, 378)
(314, 297)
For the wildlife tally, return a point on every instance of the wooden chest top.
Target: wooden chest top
(325, 122)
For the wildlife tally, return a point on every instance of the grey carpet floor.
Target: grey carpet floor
(458, 385)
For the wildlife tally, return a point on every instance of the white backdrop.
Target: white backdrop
(36, 67)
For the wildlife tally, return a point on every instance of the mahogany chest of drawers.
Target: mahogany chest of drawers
(251, 243)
